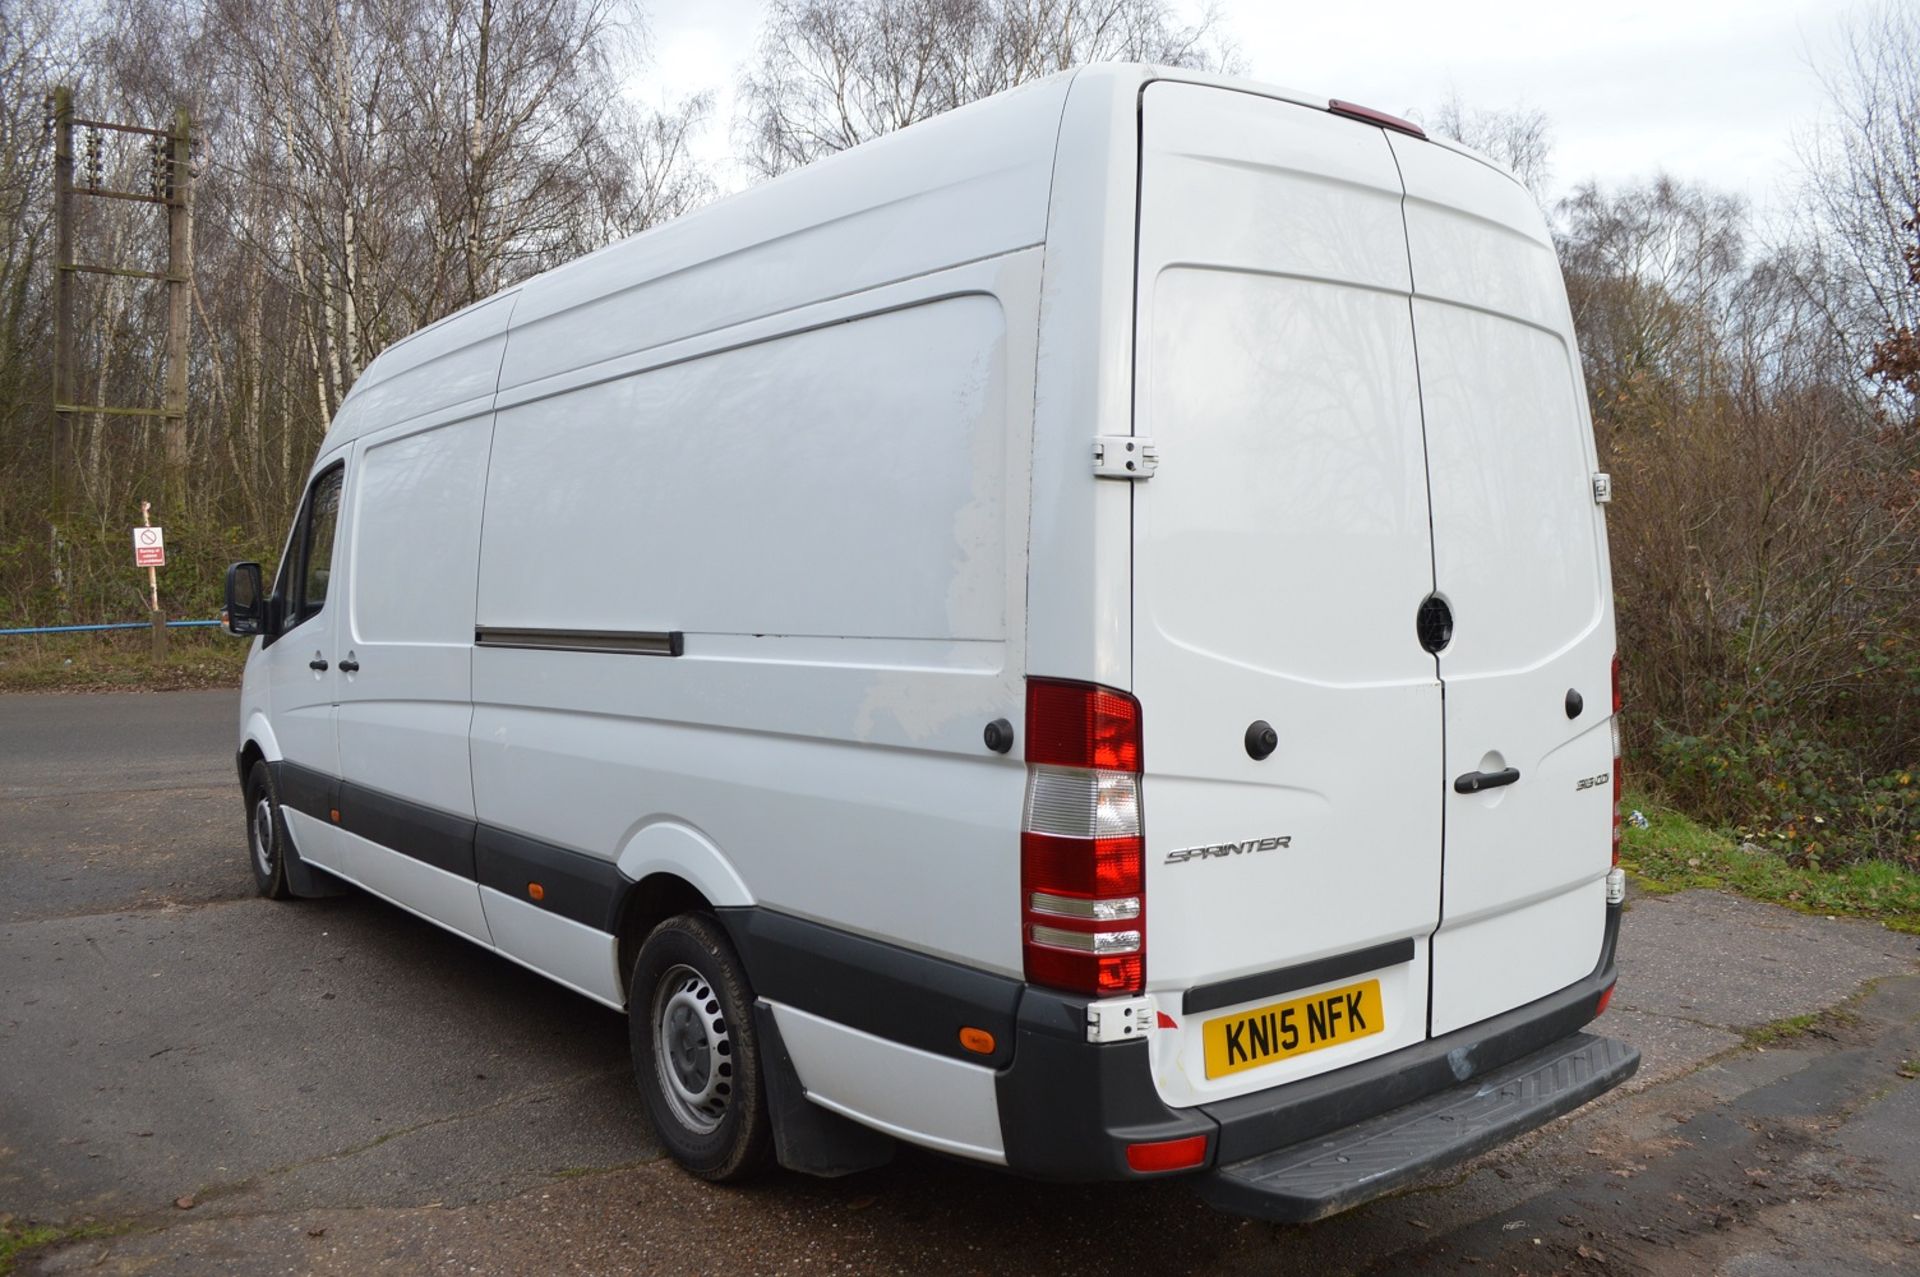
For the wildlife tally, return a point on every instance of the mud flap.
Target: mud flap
(806, 1137)
(307, 881)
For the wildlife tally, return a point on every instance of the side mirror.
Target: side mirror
(246, 610)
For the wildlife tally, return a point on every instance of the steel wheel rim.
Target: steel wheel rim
(692, 1049)
(262, 831)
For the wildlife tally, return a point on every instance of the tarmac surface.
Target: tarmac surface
(194, 1080)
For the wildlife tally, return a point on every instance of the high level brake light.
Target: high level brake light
(1082, 857)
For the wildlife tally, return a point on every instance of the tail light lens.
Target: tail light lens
(1616, 759)
(1082, 858)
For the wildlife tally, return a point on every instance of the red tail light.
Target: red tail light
(1617, 783)
(1082, 725)
(1082, 857)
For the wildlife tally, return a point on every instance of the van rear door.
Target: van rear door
(1281, 555)
(1520, 557)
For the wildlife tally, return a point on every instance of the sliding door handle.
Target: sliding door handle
(1474, 782)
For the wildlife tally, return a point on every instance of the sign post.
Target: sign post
(150, 552)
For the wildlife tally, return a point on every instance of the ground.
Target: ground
(194, 1080)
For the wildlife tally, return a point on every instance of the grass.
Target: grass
(16, 1238)
(1674, 853)
(1793, 1026)
(119, 661)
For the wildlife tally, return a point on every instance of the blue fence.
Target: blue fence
(117, 625)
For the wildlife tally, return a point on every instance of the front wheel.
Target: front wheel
(266, 835)
(690, 1020)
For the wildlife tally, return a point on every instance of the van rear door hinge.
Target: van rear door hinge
(1602, 487)
(1124, 457)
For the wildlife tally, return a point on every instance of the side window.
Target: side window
(314, 552)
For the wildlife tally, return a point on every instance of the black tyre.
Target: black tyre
(690, 1019)
(266, 835)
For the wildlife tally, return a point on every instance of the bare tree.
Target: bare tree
(830, 74)
(365, 167)
(1652, 274)
(1896, 359)
(1521, 138)
(1863, 174)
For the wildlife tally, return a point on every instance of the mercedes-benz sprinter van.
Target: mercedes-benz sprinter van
(1077, 635)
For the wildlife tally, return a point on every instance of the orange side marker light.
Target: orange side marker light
(978, 1041)
(536, 891)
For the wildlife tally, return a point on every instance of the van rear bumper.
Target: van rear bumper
(1069, 1108)
(1319, 1177)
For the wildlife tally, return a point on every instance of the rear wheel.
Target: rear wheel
(266, 835)
(690, 1019)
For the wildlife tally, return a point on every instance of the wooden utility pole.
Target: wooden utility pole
(62, 119)
(179, 193)
(170, 185)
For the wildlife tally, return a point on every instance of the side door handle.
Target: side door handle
(318, 664)
(1474, 782)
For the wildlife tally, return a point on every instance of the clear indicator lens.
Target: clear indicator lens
(1116, 910)
(1075, 803)
(1087, 941)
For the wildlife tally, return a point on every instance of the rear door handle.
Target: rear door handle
(1474, 782)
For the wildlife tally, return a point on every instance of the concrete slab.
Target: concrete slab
(151, 1055)
(1719, 960)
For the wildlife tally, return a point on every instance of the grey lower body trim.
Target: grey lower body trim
(1303, 975)
(309, 792)
(574, 885)
(891, 992)
(583, 888)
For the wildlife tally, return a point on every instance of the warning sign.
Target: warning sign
(149, 548)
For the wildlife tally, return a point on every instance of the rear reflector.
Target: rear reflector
(1367, 115)
(1606, 1000)
(1168, 1155)
(1082, 871)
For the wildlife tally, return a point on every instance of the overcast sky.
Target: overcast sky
(1710, 90)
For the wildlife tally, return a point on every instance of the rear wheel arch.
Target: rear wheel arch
(645, 905)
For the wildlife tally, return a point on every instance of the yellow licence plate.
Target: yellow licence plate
(1248, 1039)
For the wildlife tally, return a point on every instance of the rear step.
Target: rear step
(1320, 1177)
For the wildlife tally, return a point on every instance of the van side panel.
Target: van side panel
(965, 186)
(454, 361)
(831, 509)
(404, 660)
(413, 537)
(847, 480)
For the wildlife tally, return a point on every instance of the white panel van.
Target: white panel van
(1077, 635)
